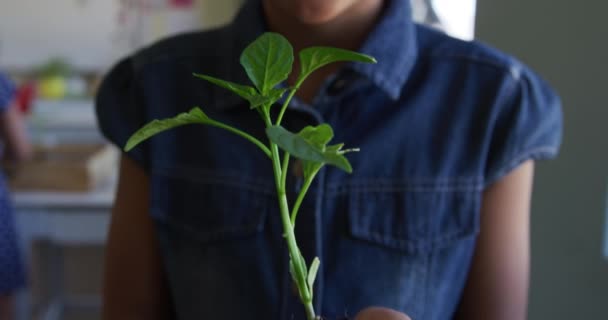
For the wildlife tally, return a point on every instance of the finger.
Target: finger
(378, 313)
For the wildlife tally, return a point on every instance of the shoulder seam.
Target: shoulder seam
(514, 68)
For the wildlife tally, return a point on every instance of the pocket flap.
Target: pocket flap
(210, 207)
(413, 220)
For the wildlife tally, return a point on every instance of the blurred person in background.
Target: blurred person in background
(16, 148)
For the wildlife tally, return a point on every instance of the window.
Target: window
(456, 18)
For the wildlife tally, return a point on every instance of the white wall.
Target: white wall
(566, 41)
(31, 31)
(86, 32)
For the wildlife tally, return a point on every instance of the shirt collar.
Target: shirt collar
(394, 45)
(392, 42)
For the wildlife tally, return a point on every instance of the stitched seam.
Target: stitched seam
(204, 177)
(411, 245)
(416, 185)
(504, 67)
(350, 190)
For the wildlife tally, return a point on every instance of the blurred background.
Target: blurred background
(57, 51)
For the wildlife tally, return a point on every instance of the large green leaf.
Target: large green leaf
(294, 144)
(195, 115)
(314, 58)
(268, 61)
(307, 148)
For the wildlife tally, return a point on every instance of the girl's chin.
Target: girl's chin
(312, 12)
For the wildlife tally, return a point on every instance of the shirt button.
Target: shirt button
(340, 83)
(337, 86)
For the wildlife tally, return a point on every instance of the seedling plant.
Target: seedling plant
(268, 62)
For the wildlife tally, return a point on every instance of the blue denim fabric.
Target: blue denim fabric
(437, 121)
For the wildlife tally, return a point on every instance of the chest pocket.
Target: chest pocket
(210, 206)
(413, 217)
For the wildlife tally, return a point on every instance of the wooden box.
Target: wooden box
(64, 168)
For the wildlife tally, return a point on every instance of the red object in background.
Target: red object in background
(181, 3)
(26, 94)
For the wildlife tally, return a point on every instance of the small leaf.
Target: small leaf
(306, 148)
(292, 271)
(248, 93)
(273, 96)
(318, 136)
(195, 115)
(339, 161)
(312, 273)
(333, 152)
(245, 92)
(294, 144)
(299, 259)
(314, 58)
(268, 61)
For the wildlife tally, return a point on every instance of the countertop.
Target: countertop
(101, 197)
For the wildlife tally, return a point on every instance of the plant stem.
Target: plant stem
(292, 246)
(301, 195)
(310, 311)
(285, 104)
(284, 170)
(245, 135)
(280, 175)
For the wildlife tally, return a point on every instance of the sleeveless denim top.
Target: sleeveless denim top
(437, 120)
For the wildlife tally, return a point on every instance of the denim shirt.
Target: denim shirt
(437, 121)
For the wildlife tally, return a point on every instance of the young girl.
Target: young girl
(16, 148)
(433, 221)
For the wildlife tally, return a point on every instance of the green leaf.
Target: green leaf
(292, 271)
(195, 115)
(318, 136)
(245, 92)
(307, 147)
(335, 153)
(294, 144)
(268, 61)
(309, 167)
(273, 96)
(248, 93)
(339, 161)
(314, 58)
(299, 260)
(312, 273)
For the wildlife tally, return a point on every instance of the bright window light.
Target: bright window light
(456, 17)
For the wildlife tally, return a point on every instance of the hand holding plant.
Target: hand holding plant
(268, 62)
